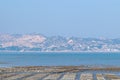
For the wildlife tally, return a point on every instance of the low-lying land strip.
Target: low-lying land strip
(60, 73)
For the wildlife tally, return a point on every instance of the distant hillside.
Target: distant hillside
(38, 42)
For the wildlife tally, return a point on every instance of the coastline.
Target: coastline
(60, 73)
(55, 68)
(79, 52)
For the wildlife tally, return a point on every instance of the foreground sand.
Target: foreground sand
(60, 73)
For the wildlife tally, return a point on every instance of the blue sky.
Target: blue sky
(83, 18)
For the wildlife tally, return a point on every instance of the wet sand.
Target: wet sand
(60, 73)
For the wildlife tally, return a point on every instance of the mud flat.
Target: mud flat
(60, 73)
(69, 76)
(85, 76)
(100, 77)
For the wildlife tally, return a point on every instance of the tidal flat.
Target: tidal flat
(60, 73)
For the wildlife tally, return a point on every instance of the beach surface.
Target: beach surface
(60, 73)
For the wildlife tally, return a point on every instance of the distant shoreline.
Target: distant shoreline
(60, 52)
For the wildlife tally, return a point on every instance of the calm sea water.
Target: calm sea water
(59, 59)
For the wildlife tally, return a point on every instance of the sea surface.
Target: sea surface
(11, 59)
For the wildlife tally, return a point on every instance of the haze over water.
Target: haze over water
(77, 18)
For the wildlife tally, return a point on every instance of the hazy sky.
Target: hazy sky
(84, 18)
